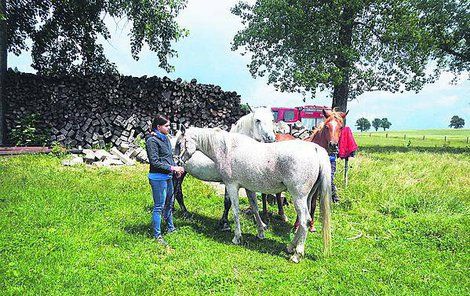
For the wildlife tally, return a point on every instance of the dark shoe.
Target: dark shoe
(161, 241)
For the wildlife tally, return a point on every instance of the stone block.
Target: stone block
(122, 157)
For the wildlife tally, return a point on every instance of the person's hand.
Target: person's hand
(178, 170)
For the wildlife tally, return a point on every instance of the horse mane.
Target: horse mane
(243, 124)
(335, 114)
(207, 137)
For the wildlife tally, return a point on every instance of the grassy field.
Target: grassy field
(86, 230)
(437, 138)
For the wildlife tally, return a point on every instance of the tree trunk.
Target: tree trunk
(3, 69)
(341, 90)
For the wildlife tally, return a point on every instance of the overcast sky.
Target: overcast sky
(206, 56)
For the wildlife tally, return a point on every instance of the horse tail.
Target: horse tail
(325, 202)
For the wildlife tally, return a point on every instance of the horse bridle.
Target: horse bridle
(178, 158)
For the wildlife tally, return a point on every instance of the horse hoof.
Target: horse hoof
(261, 235)
(295, 258)
(236, 240)
(312, 229)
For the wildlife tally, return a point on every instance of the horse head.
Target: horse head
(185, 145)
(331, 129)
(263, 125)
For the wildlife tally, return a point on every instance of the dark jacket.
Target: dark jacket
(160, 153)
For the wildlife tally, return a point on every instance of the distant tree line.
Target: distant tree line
(363, 124)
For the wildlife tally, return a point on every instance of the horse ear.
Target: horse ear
(183, 129)
(344, 114)
(324, 113)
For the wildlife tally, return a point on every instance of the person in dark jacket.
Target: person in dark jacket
(162, 168)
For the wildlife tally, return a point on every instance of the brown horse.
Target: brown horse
(326, 134)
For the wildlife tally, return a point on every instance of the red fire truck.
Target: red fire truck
(309, 115)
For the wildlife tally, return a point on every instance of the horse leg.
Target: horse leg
(312, 212)
(297, 246)
(178, 192)
(232, 191)
(264, 197)
(254, 205)
(223, 223)
(296, 224)
(280, 206)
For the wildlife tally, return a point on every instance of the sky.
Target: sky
(207, 56)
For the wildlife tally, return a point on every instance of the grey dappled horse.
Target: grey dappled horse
(258, 125)
(302, 168)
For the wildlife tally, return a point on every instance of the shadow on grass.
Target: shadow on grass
(393, 149)
(209, 227)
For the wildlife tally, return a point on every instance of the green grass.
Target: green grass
(440, 139)
(84, 230)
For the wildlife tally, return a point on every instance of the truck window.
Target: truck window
(309, 123)
(289, 115)
(275, 115)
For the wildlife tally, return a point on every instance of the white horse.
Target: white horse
(258, 125)
(300, 167)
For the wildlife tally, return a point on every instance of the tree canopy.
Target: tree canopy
(385, 124)
(64, 32)
(457, 122)
(349, 47)
(376, 123)
(363, 124)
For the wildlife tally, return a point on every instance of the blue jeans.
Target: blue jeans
(162, 192)
(333, 186)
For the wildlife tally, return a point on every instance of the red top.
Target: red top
(347, 144)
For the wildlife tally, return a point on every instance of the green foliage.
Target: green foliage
(57, 149)
(140, 142)
(93, 235)
(245, 107)
(376, 123)
(457, 122)
(64, 33)
(27, 133)
(351, 47)
(385, 124)
(363, 124)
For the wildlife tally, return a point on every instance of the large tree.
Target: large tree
(363, 124)
(64, 33)
(349, 47)
(385, 124)
(376, 123)
(457, 122)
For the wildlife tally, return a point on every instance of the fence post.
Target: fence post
(423, 138)
(467, 140)
(404, 137)
(445, 138)
(386, 135)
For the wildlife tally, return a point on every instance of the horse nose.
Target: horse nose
(269, 138)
